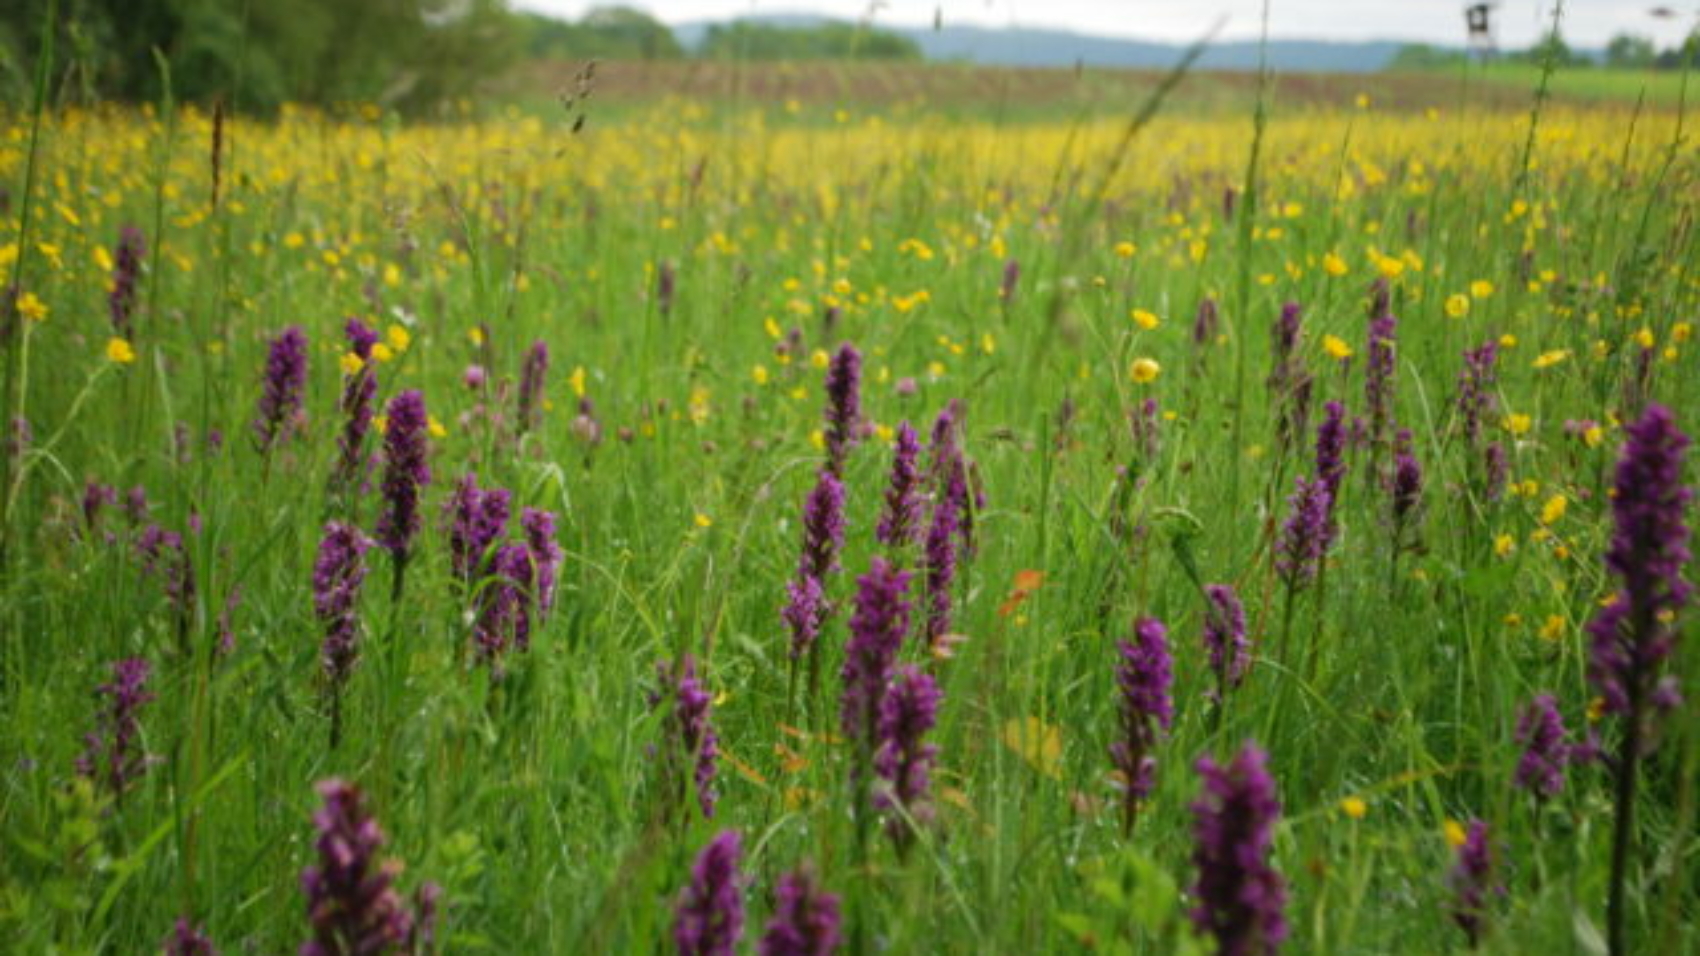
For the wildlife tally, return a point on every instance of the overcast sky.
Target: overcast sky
(1587, 23)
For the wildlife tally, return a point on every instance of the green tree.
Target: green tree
(1627, 51)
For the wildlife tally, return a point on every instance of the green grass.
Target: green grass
(535, 802)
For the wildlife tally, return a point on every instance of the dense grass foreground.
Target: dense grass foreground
(1135, 403)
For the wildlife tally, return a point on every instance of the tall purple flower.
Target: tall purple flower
(352, 904)
(1011, 275)
(904, 762)
(1331, 452)
(1475, 389)
(900, 523)
(126, 277)
(531, 386)
(112, 754)
(666, 284)
(95, 497)
(405, 470)
(1304, 535)
(337, 576)
(359, 390)
(843, 405)
(710, 917)
(1378, 375)
(1495, 471)
(1285, 368)
(164, 557)
(1633, 635)
(1147, 431)
(1540, 732)
(807, 607)
(1204, 323)
(476, 520)
(692, 741)
(940, 564)
(1406, 489)
(187, 940)
(1225, 638)
(539, 528)
(1239, 894)
(876, 634)
(280, 394)
(1144, 711)
(1471, 881)
(805, 919)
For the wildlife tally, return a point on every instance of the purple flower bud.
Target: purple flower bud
(903, 762)
(126, 277)
(666, 282)
(710, 916)
(531, 386)
(1632, 637)
(280, 396)
(1205, 322)
(1239, 895)
(112, 755)
(187, 940)
(1304, 537)
(1540, 732)
(352, 903)
(1497, 471)
(843, 405)
(901, 520)
(337, 576)
(876, 634)
(692, 741)
(805, 919)
(1147, 431)
(503, 616)
(1011, 274)
(1475, 388)
(474, 378)
(1378, 375)
(1407, 490)
(1144, 708)
(539, 528)
(164, 557)
(1331, 452)
(95, 497)
(940, 564)
(405, 470)
(1471, 881)
(1225, 637)
(476, 520)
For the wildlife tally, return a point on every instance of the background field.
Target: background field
(794, 210)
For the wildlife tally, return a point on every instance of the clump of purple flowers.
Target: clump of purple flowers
(691, 736)
(503, 616)
(359, 390)
(901, 521)
(1304, 536)
(710, 917)
(1144, 710)
(126, 276)
(539, 528)
(1239, 895)
(1475, 389)
(823, 537)
(165, 558)
(352, 904)
(405, 470)
(280, 394)
(843, 405)
(1471, 881)
(805, 919)
(476, 520)
(112, 754)
(1225, 639)
(904, 762)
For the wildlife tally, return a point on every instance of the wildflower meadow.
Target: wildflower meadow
(721, 526)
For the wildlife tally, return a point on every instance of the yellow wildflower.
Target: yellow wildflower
(1336, 347)
(1144, 371)
(1354, 807)
(1333, 265)
(381, 352)
(1549, 359)
(351, 363)
(31, 307)
(118, 350)
(1454, 832)
(1518, 423)
(1481, 289)
(1503, 545)
(1126, 249)
(398, 337)
(1554, 509)
(1553, 629)
(435, 427)
(1144, 319)
(1457, 305)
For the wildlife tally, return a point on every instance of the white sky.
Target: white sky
(1587, 23)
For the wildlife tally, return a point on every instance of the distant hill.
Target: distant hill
(1022, 46)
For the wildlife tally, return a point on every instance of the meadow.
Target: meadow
(1371, 369)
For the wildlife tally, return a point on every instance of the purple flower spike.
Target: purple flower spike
(805, 919)
(805, 608)
(1011, 275)
(843, 405)
(823, 528)
(352, 904)
(503, 618)
(940, 564)
(1205, 322)
(112, 755)
(901, 522)
(1145, 710)
(690, 733)
(405, 470)
(1540, 732)
(1475, 389)
(187, 940)
(1634, 635)
(531, 386)
(1378, 375)
(280, 397)
(1225, 638)
(1331, 454)
(903, 762)
(359, 391)
(1407, 485)
(1471, 881)
(337, 576)
(710, 917)
(1304, 536)
(539, 528)
(477, 518)
(126, 278)
(876, 633)
(1239, 895)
